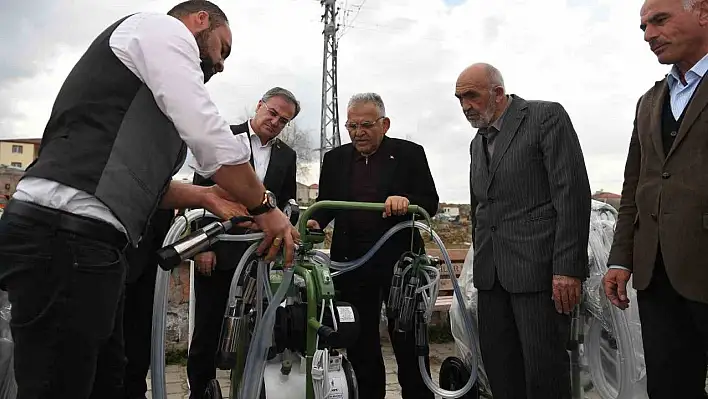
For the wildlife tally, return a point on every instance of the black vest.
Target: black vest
(106, 136)
(669, 125)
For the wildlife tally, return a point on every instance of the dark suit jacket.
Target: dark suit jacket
(280, 178)
(406, 173)
(665, 199)
(532, 203)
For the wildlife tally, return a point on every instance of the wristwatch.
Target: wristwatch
(269, 202)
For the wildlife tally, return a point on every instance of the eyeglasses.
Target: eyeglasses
(273, 113)
(352, 127)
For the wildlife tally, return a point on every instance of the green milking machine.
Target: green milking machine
(284, 332)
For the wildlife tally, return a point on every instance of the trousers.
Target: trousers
(366, 294)
(675, 337)
(523, 343)
(66, 292)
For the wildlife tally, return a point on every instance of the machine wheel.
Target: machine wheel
(454, 375)
(213, 390)
(352, 386)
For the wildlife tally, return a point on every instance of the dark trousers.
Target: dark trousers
(139, 296)
(675, 336)
(211, 294)
(523, 343)
(66, 293)
(366, 293)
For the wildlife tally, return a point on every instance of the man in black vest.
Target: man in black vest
(375, 168)
(661, 239)
(119, 129)
(275, 165)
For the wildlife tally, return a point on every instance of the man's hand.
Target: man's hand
(566, 293)
(279, 233)
(221, 204)
(396, 205)
(312, 224)
(615, 284)
(205, 262)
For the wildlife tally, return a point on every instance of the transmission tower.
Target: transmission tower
(329, 121)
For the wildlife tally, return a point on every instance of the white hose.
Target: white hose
(258, 350)
(344, 267)
(159, 310)
(257, 354)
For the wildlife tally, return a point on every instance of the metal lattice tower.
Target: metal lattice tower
(329, 121)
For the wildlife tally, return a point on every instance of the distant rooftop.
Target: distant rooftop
(21, 140)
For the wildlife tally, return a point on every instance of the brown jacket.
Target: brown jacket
(665, 199)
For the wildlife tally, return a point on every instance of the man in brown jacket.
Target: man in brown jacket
(662, 232)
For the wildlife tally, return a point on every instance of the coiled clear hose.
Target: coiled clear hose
(159, 310)
(261, 342)
(255, 363)
(344, 267)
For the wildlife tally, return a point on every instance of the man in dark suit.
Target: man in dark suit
(139, 294)
(530, 198)
(375, 168)
(661, 239)
(275, 165)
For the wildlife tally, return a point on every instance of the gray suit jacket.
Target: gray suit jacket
(531, 205)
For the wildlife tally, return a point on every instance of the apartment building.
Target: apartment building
(18, 153)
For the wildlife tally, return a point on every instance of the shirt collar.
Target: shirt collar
(693, 74)
(255, 137)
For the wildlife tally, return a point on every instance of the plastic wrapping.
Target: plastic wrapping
(613, 351)
(460, 334)
(8, 387)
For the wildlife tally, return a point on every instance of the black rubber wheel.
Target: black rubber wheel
(213, 390)
(454, 375)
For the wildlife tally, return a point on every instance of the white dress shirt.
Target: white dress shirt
(261, 153)
(163, 54)
(679, 93)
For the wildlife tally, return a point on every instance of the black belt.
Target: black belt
(65, 221)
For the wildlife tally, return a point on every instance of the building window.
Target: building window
(17, 149)
(16, 164)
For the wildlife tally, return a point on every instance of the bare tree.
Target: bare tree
(300, 140)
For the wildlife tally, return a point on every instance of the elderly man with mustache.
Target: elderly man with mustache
(662, 232)
(530, 200)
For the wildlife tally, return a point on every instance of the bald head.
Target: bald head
(480, 90)
(484, 74)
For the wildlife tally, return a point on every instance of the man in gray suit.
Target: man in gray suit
(531, 212)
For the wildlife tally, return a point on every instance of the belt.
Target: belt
(69, 222)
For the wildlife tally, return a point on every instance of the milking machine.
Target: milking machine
(284, 333)
(605, 346)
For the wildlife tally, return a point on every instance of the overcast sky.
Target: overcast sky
(589, 55)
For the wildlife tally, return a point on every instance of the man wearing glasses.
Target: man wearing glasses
(374, 168)
(275, 166)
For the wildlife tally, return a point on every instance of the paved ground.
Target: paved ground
(176, 378)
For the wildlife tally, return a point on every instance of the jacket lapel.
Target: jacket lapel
(694, 109)
(275, 166)
(656, 106)
(512, 120)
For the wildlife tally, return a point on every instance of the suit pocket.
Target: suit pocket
(541, 215)
(705, 221)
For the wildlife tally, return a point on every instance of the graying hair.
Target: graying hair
(364, 98)
(284, 93)
(689, 4)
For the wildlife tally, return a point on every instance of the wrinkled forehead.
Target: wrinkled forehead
(651, 9)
